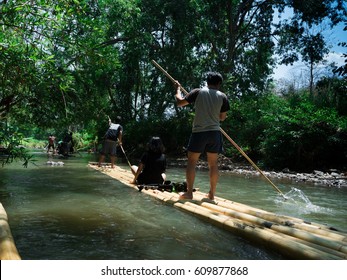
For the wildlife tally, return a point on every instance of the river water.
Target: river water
(73, 212)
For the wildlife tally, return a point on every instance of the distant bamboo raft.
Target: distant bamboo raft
(8, 250)
(292, 237)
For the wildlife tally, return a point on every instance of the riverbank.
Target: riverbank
(331, 178)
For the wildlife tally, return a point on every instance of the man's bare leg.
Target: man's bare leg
(190, 175)
(212, 159)
(113, 160)
(101, 160)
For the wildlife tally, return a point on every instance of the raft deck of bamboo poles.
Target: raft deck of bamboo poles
(292, 237)
(8, 250)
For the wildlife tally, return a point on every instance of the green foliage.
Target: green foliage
(11, 148)
(68, 65)
(49, 50)
(173, 132)
(293, 132)
(330, 92)
(304, 137)
(32, 143)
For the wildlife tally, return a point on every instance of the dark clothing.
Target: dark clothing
(67, 145)
(67, 138)
(109, 147)
(63, 148)
(113, 132)
(206, 141)
(50, 146)
(154, 166)
(209, 104)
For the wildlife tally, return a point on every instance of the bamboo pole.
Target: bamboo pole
(168, 75)
(304, 235)
(289, 246)
(121, 146)
(251, 161)
(291, 222)
(8, 250)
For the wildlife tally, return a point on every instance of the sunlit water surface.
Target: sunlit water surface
(74, 212)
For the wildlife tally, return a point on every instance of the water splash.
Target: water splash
(296, 198)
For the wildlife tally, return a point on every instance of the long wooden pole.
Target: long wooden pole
(121, 146)
(250, 161)
(225, 134)
(168, 75)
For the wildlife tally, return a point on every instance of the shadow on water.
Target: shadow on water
(74, 212)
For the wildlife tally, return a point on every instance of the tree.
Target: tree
(101, 51)
(70, 64)
(302, 137)
(297, 38)
(342, 70)
(50, 48)
(331, 93)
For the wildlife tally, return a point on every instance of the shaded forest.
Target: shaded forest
(68, 65)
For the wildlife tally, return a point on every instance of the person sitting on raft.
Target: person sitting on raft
(152, 166)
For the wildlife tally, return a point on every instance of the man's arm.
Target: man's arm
(223, 116)
(181, 101)
(225, 108)
(120, 136)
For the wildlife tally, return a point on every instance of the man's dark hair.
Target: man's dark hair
(214, 78)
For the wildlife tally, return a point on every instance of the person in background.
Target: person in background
(112, 136)
(211, 106)
(69, 144)
(66, 144)
(51, 140)
(152, 166)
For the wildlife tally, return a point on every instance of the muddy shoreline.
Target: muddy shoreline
(331, 178)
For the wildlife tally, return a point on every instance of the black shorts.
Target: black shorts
(206, 141)
(109, 147)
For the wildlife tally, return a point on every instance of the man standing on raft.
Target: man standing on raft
(112, 137)
(211, 106)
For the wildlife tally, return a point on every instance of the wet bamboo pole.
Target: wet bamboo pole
(8, 250)
(292, 222)
(321, 240)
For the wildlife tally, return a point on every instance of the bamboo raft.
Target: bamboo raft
(292, 237)
(8, 250)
